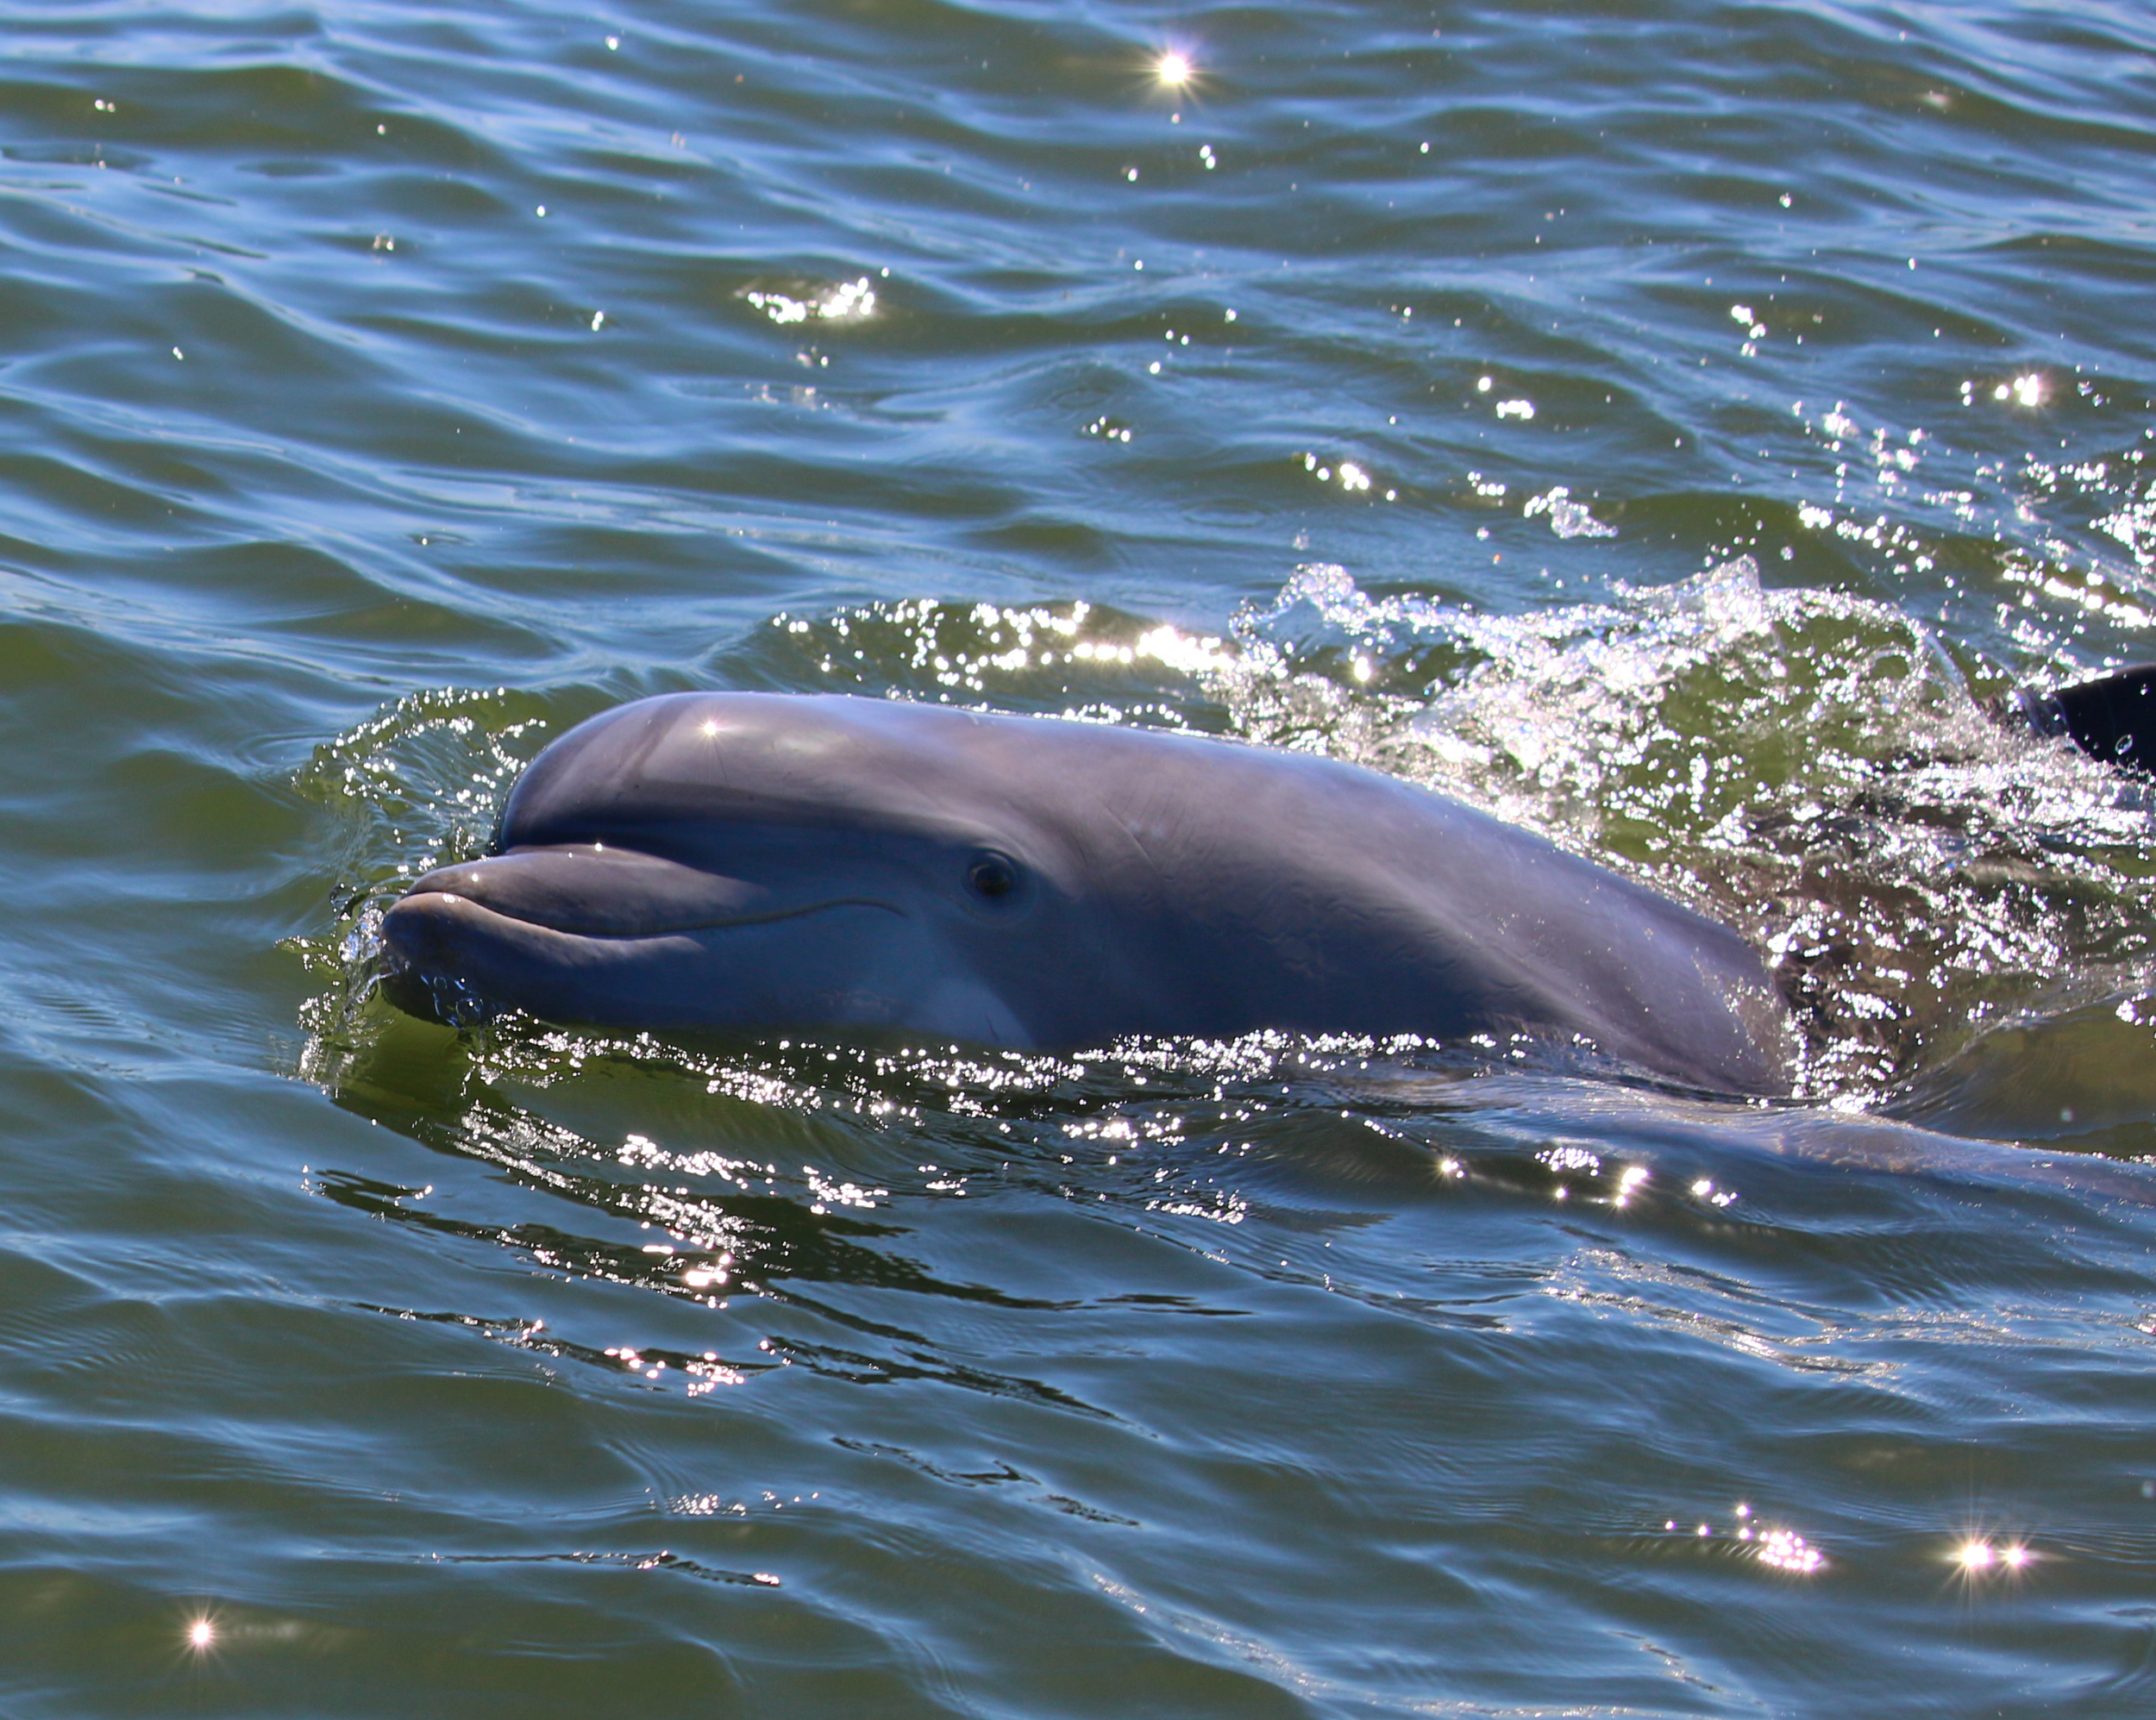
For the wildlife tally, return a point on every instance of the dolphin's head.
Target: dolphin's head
(756, 862)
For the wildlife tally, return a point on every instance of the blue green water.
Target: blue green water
(1665, 425)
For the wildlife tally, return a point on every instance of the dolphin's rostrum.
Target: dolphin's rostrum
(773, 862)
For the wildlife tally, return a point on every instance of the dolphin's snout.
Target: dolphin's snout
(588, 890)
(415, 928)
(468, 941)
(422, 973)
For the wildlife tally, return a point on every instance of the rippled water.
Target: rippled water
(1671, 426)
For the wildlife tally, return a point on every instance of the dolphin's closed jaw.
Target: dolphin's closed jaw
(515, 928)
(589, 890)
(446, 951)
(592, 891)
(598, 923)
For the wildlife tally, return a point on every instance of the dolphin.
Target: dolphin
(767, 862)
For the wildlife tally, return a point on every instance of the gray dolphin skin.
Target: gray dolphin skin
(765, 862)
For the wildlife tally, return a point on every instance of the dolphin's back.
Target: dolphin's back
(1338, 899)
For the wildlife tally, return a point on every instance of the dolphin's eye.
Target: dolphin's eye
(991, 875)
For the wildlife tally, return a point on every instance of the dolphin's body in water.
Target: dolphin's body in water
(768, 862)
(2112, 717)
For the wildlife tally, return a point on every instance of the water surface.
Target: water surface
(1671, 426)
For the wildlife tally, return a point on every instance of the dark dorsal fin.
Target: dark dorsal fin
(2112, 719)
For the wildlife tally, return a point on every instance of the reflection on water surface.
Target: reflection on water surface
(1673, 430)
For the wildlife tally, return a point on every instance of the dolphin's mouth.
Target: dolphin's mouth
(584, 933)
(665, 927)
(589, 891)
